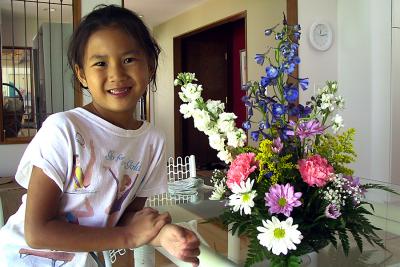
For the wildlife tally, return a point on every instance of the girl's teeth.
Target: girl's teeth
(118, 91)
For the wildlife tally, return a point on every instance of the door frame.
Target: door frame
(292, 18)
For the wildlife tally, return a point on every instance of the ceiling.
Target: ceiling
(154, 12)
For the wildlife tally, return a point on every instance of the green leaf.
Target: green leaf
(345, 241)
(381, 187)
(294, 261)
(358, 239)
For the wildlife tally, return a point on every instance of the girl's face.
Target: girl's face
(115, 70)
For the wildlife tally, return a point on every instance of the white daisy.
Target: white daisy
(242, 197)
(279, 236)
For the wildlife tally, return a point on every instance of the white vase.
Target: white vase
(308, 260)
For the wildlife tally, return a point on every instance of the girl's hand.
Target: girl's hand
(180, 242)
(145, 225)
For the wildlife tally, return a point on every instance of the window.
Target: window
(35, 76)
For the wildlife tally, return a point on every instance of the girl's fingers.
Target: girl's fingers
(193, 260)
(191, 252)
(150, 210)
(166, 216)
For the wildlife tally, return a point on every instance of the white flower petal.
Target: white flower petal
(279, 244)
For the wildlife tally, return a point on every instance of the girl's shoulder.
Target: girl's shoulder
(62, 118)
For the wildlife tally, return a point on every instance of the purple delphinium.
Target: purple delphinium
(271, 72)
(246, 125)
(259, 58)
(282, 199)
(305, 129)
(255, 135)
(332, 211)
(290, 93)
(278, 109)
(304, 83)
(277, 145)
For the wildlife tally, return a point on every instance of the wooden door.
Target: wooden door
(205, 54)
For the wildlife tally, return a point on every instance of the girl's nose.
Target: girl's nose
(117, 73)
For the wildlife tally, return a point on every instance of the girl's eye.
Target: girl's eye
(99, 64)
(129, 60)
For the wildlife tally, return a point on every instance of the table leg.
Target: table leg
(1, 213)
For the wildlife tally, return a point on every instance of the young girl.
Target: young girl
(89, 170)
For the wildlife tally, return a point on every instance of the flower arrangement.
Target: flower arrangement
(293, 193)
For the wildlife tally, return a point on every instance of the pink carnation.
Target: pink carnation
(315, 170)
(240, 169)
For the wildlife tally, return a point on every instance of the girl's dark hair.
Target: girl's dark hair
(111, 15)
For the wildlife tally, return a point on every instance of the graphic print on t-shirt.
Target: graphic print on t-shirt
(53, 256)
(123, 189)
(81, 176)
(74, 215)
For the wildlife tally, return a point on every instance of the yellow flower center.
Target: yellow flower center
(279, 233)
(282, 202)
(246, 197)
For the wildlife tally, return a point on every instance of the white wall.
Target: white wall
(360, 60)
(318, 66)
(395, 166)
(88, 5)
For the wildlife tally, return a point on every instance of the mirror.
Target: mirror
(36, 79)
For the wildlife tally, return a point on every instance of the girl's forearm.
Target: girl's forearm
(64, 236)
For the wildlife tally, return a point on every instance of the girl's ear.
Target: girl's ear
(80, 75)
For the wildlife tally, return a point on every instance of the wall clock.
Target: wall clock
(321, 35)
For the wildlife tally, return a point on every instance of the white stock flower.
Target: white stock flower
(190, 92)
(211, 129)
(183, 97)
(217, 141)
(243, 197)
(226, 122)
(187, 109)
(201, 119)
(327, 101)
(225, 156)
(323, 90)
(227, 116)
(340, 102)
(215, 106)
(337, 123)
(236, 138)
(279, 236)
(219, 191)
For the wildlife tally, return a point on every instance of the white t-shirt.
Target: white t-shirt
(99, 167)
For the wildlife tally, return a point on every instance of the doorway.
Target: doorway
(213, 54)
